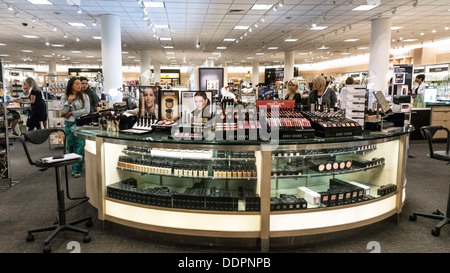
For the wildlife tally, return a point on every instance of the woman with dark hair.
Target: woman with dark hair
(74, 103)
(93, 97)
(202, 105)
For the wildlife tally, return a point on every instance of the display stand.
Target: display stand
(5, 172)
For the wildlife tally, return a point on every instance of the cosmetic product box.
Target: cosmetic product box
(309, 195)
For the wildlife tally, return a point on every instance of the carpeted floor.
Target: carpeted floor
(31, 203)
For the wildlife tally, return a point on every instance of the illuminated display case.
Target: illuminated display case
(297, 192)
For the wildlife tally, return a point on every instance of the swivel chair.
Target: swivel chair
(428, 132)
(61, 224)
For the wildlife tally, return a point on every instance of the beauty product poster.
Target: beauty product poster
(169, 105)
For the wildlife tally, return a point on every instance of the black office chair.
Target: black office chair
(39, 137)
(428, 132)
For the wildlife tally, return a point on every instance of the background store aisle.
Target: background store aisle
(31, 203)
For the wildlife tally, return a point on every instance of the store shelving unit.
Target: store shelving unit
(5, 172)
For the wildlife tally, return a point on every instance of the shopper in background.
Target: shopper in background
(293, 92)
(38, 111)
(74, 103)
(421, 85)
(343, 94)
(322, 94)
(93, 97)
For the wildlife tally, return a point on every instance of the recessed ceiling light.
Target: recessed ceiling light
(362, 47)
(323, 47)
(365, 7)
(165, 39)
(27, 50)
(261, 7)
(47, 56)
(221, 47)
(2, 44)
(97, 37)
(90, 56)
(345, 53)
(153, 4)
(229, 40)
(31, 36)
(410, 40)
(40, 2)
(168, 47)
(259, 53)
(272, 47)
(318, 28)
(351, 40)
(303, 53)
(77, 24)
(161, 26)
(57, 45)
(4, 55)
(76, 51)
(241, 27)
(131, 57)
(250, 58)
(124, 52)
(290, 40)
(396, 28)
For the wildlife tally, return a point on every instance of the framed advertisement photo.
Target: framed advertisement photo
(148, 102)
(196, 104)
(169, 101)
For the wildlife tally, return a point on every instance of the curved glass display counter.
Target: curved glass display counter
(245, 189)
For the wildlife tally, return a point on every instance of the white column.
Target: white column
(146, 73)
(111, 55)
(288, 65)
(52, 68)
(380, 44)
(157, 72)
(255, 74)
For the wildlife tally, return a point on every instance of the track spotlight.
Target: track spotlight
(415, 3)
(394, 11)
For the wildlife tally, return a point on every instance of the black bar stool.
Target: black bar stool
(428, 132)
(39, 137)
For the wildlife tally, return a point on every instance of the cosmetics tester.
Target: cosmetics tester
(259, 172)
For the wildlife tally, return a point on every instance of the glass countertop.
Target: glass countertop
(91, 133)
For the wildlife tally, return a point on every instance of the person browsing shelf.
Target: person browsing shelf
(38, 111)
(74, 104)
(322, 94)
(293, 92)
(93, 97)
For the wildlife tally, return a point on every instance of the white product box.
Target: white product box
(309, 195)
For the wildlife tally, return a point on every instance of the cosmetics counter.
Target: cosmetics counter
(245, 189)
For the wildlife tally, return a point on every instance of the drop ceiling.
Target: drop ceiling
(208, 23)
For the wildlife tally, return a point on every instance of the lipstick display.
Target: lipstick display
(332, 124)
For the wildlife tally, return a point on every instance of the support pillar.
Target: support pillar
(157, 72)
(52, 68)
(146, 73)
(380, 44)
(288, 65)
(255, 74)
(111, 56)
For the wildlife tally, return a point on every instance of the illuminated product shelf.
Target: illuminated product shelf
(194, 207)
